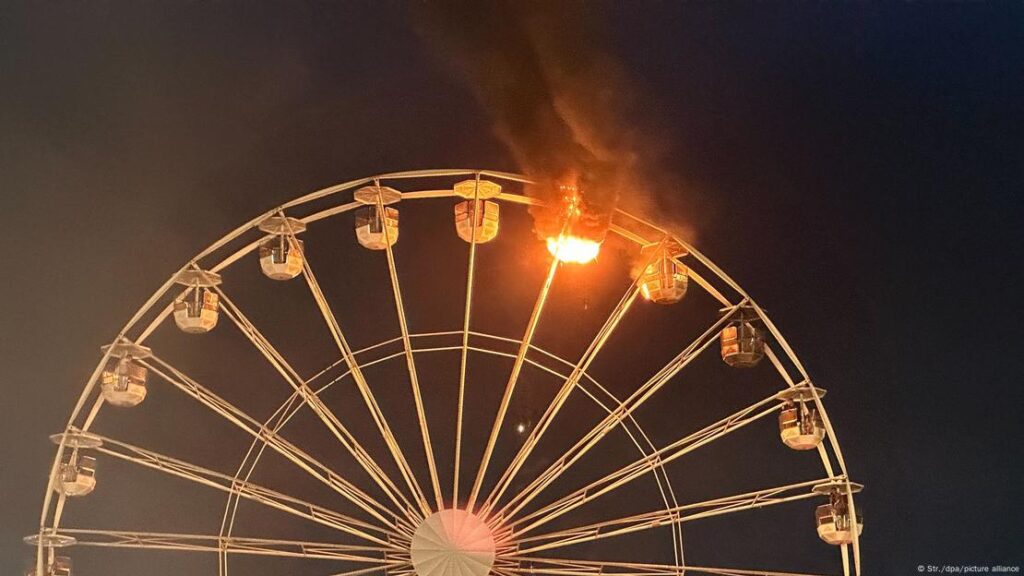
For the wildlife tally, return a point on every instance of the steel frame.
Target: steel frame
(388, 528)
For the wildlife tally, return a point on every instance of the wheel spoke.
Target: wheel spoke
(657, 459)
(567, 567)
(463, 359)
(611, 421)
(390, 569)
(670, 516)
(271, 438)
(364, 390)
(563, 394)
(325, 414)
(410, 362)
(702, 282)
(638, 438)
(517, 366)
(280, 418)
(228, 545)
(248, 490)
(526, 524)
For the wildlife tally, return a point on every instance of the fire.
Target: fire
(573, 249)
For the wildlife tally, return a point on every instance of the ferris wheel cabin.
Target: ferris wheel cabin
(743, 339)
(123, 382)
(377, 222)
(800, 424)
(77, 475)
(663, 280)
(477, 218)
(834, 521)
(197, 309)
(281, 255)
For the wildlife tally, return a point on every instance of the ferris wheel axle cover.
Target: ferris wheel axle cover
(452, 543)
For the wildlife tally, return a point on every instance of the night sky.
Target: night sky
(857, 168)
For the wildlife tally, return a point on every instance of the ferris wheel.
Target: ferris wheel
(508, 456)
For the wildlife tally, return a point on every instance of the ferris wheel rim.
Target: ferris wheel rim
(221, 243)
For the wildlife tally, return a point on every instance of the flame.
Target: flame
(645, 291)
(573, 249)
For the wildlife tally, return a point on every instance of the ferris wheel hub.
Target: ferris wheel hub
(452, 542)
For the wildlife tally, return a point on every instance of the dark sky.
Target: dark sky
(857, 168)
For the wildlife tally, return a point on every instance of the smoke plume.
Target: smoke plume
(558, 99)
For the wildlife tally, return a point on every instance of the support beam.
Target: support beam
(568, 567)
(612, 420)
(364, 390)
(229, 545)
(247, 490)
(517, 366)
(668, 517)
(326, 415)
(561, 396)
(638, 468)
(258, 431)
(394, 570)
(463, 360)
(410, 361)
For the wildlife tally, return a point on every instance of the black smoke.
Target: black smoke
(557, 95)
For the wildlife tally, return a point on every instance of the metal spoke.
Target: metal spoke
(382, 569)
(272, 439)
(517, 366)
(410, 362)
(463, 360)
(377, 540)
(228, 545)
(670, 516)
(657, 459)
(612, 420)
(702, 282)
(248, 490)
(570, 383)
(325, 414)
(573, 567)
(364, 390)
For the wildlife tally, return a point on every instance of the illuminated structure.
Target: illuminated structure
(197, 308)
(473, 517)
(477, 217)
(663, 279)
(281, 255)
(123, 383)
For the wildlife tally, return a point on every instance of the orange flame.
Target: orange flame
(573, 249)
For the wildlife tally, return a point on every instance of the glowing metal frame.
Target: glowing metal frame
(388, 531)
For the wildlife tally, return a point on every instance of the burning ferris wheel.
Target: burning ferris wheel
(457, 451)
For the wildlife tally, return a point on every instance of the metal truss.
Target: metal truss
(377, 542)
